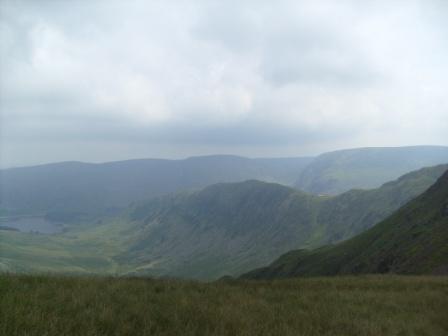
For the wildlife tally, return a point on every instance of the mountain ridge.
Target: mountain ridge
(225, 228)
(413, 240)
(95, 188)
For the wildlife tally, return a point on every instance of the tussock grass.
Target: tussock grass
(368, 305)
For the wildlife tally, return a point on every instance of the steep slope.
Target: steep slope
(414, 240)
(71, 188)
(218, 230)
(231, 228)
(336, 172)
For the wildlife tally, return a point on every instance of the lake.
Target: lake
(32, 224)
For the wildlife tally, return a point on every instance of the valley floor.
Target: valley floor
(367, 305)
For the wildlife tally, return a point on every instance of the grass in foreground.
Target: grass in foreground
(371, 305)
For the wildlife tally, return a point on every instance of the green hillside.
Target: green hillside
(336, 172)
(411, 241)
(224, 229)
(231, 228)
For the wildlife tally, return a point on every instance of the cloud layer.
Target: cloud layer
(104, 80)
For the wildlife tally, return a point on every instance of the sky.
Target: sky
(103, 80)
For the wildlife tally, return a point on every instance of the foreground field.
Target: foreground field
(371, 305)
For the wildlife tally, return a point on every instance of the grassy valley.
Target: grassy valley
(224, 229)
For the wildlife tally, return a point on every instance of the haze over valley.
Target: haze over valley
(223, 168)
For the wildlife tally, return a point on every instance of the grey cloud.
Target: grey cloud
(289, 48)
(295, 62)
(232, 25)
(241, 75)
(115, 130)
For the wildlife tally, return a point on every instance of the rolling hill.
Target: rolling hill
(414, 240)
(71, 189)
(336, 172)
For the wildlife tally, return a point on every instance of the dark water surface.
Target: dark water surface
(31, 224)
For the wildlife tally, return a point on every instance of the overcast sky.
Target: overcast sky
(108, 80)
